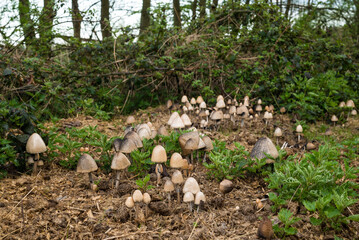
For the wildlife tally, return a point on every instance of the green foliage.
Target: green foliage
(287, 220)
(143, 185)
(227, 163)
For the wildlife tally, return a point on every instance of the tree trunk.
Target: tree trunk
(145, 16)
(194, 9)
(287, 8)
(202, 9)
(76, 19)
(26, 22)
(177, 13)
(105, 19)
(45, 26)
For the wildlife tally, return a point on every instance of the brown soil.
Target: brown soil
(57, 203)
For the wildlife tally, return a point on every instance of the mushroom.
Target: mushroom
(169, 105)
(193, 101)
(199, 100)
(191, 185)
(267, 117)
(225, 187)
(199, 200)
(334, 119)
(119, 162)
(243, 113)
(137, 199)
(209, 146)
(177, 123)
(354, 112)
(87, 164)
(277, 133)
(188, 198)
(310, 146)
(35, 145)
(176, 160)
(130, 119)
(220, 104)
(130, 204)
(159, 156)
(146, 200)
(177, 179)
(299, 130)
(184, 99)
(186, 120)
(262, 147)
(188, 146)
(220, 97)
(246, 101)
(265, 229)
(259, 203)
(168, 188)
(135, 137)
(216, 116)
(259, 109)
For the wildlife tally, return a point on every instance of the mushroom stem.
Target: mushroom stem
(178, 193)
(277, 141)
(90, 178)
(169, 199)
(158, 175)
(34, 168)
(117, 179)
(242, 122)
(204, 157)
(146, 210)
(298, 137)
(190, 206)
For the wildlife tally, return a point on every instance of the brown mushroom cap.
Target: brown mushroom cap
(176, 160)
(199, 100)
(264, 145)
(208, 142)
(334, 118)
(189, 135)
(86, 164)
(188, 197)
(169, 104)
(130, 119)
(35, 144)
(177, 177)
(120, 161)
(159, 154)
(173, 116)
(137, 196)
(177, 123)
(217, 115)
(168, 186)
(186, 120)
(282, 110)
(200, 197)
(265, 229)
(191, 185)
(134, 137)
(144, 133)
(127, 145)
(243, 111)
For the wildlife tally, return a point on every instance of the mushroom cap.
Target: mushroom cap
(259, 108)
(268, 115)
(177, 177)
(189, 147)
(162, 131)
(183, 139)
(226, 186)
(282, 110)
(184, 99)
(354, 112)
(146, 198)
(229, 101)
(202, 105)
(264, 145)
(129, 202)
(232, 109)
(235, 102)
(173, 116)
(193, 101)
(30, 160)
(350, 104)
(177, 123)
(342, 104)
(169, 103)
(159, 154)
(168, 186)
(201, 144)
(186, 120)
(120, 161)
(130, 119)
(334, 118)
(226, 116)
(202, 113)
(135, 138)
(277, 132)
(299, 129)
(199, 99)
(176, 160)
(188, 197)
(243, 111)
(191, 185)
(143, 125)
(185, 109)
(127, 145)
(310, 146)
(35, 144)
(137, 196)
(217, 115)
(199, 197)
(259, 101)
(144, 133)
(220, 104)
(208, 142)
(86, 164)
(220, 97)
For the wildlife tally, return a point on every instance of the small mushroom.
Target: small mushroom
(259, 203)
(299, 130)
(130, 120)
(87, 164)
(188, 198)
(177, 179)
(277, 133)
(191, 185)
(199, 200)
(159, 156)
(35, 145)
(334, 119)
(119, 162)
(146, 200)
(138, 198)
(168, 188)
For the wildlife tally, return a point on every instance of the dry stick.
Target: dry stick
(19, 202)
(194, 226)
(293, 196)
(10, 233)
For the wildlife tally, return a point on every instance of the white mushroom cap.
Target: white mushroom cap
(137, 196)
(129, 202)
(35, 144)
(277, 132)
(221, 104)
(354, 112)
(159, 154)
(201, 144)
(193, 101)
(191, 185)
(199, 197)
(243, 111)
(350, 104)
(86, 164)
(188, 197)
(220, 97)
(199, 100)
(185, 109)
(176, 160)
(202, 105)
(186, 120)
(135, 138)
(177, 177)
(334, 118)
(173, 116)
(259, 108)
(146, 198)
(130, 119)
(177, 123)
(259, 101)
(217, 115)
(184, 99)
(144, 133)
(190, 108)
(342, 104)
(299, 129)
(120, 161)
(232, 110)
(168, 187)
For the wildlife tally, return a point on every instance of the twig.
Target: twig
(19, 202)
(195, 225)
(293, 195)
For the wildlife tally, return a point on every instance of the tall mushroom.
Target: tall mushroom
(299, 130)
(199, 200)
(188, 197)
(87, 164)
(277, 133)
(168, 188)
(119, 162)
(35, 145)
(159, 156)
(177, 179)
(146, 200)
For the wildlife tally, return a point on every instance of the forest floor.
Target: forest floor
(57, 204)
